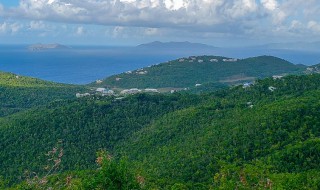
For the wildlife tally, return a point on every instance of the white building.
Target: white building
(130, 91)
(101, 90)
(247, 85)
(214, 60)
(276, 77)
(78, 95)
(151, 90)
(142, 72)
(271, 88)
(229, 60)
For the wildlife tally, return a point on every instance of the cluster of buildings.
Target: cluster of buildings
(275, 77)
(195, 59)
(108, 92)
(136, 91)
(100, 91)
(230, 60)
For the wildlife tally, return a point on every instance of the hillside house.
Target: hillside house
(130, 91)
(151, 90)
(79, 95)
(229, 60)
(247, 85)
(142, 72)
(101, 90)
(275, 77)
(271, 88)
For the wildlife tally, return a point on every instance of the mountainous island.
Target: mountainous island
(256, 127)
(174, 45)
(40, 47)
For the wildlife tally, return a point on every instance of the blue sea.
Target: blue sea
(83, 65)
(79, 65)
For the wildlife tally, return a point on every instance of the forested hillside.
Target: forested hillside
(263, 136)
(18, 93)
(201, 70)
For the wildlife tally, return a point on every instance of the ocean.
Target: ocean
(83, 65)
(80, 65)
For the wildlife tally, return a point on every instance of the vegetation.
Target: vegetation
(19, 93)
(187, 72)
(263, 136)
(111, 174)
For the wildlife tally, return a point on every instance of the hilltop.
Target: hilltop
(200, 70)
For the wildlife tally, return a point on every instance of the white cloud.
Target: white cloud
(140, 13)
(270, 4)
(151, 31)
(15, 27)
(37, 25)
(314, 26)
(10, 28)
(3, 27)
(175, 4)
(151, 17)
(80, 31)
(241, 8)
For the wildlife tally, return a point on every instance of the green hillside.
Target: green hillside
(18, 93)
(265, 136)
(13, 80)
(187, 72)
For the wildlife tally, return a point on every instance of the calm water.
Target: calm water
(82, 65)
(77, 65)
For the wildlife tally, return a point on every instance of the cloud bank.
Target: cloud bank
(229, 17)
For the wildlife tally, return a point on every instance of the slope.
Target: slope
(238, 138)
(187, 72)
(85, 126)
(19, 92)
(229, 145)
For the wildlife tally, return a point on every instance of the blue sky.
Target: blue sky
(10, 3)
(131, 22)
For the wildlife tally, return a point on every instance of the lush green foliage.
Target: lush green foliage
(281, 130)
(261, 137)
(111, 174)
(188, 72)
(13, 80)
(84, 125)
(19, 93)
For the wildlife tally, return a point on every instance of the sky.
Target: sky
(131, 22)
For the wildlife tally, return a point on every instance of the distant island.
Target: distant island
(178, 45)
(39, 47)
